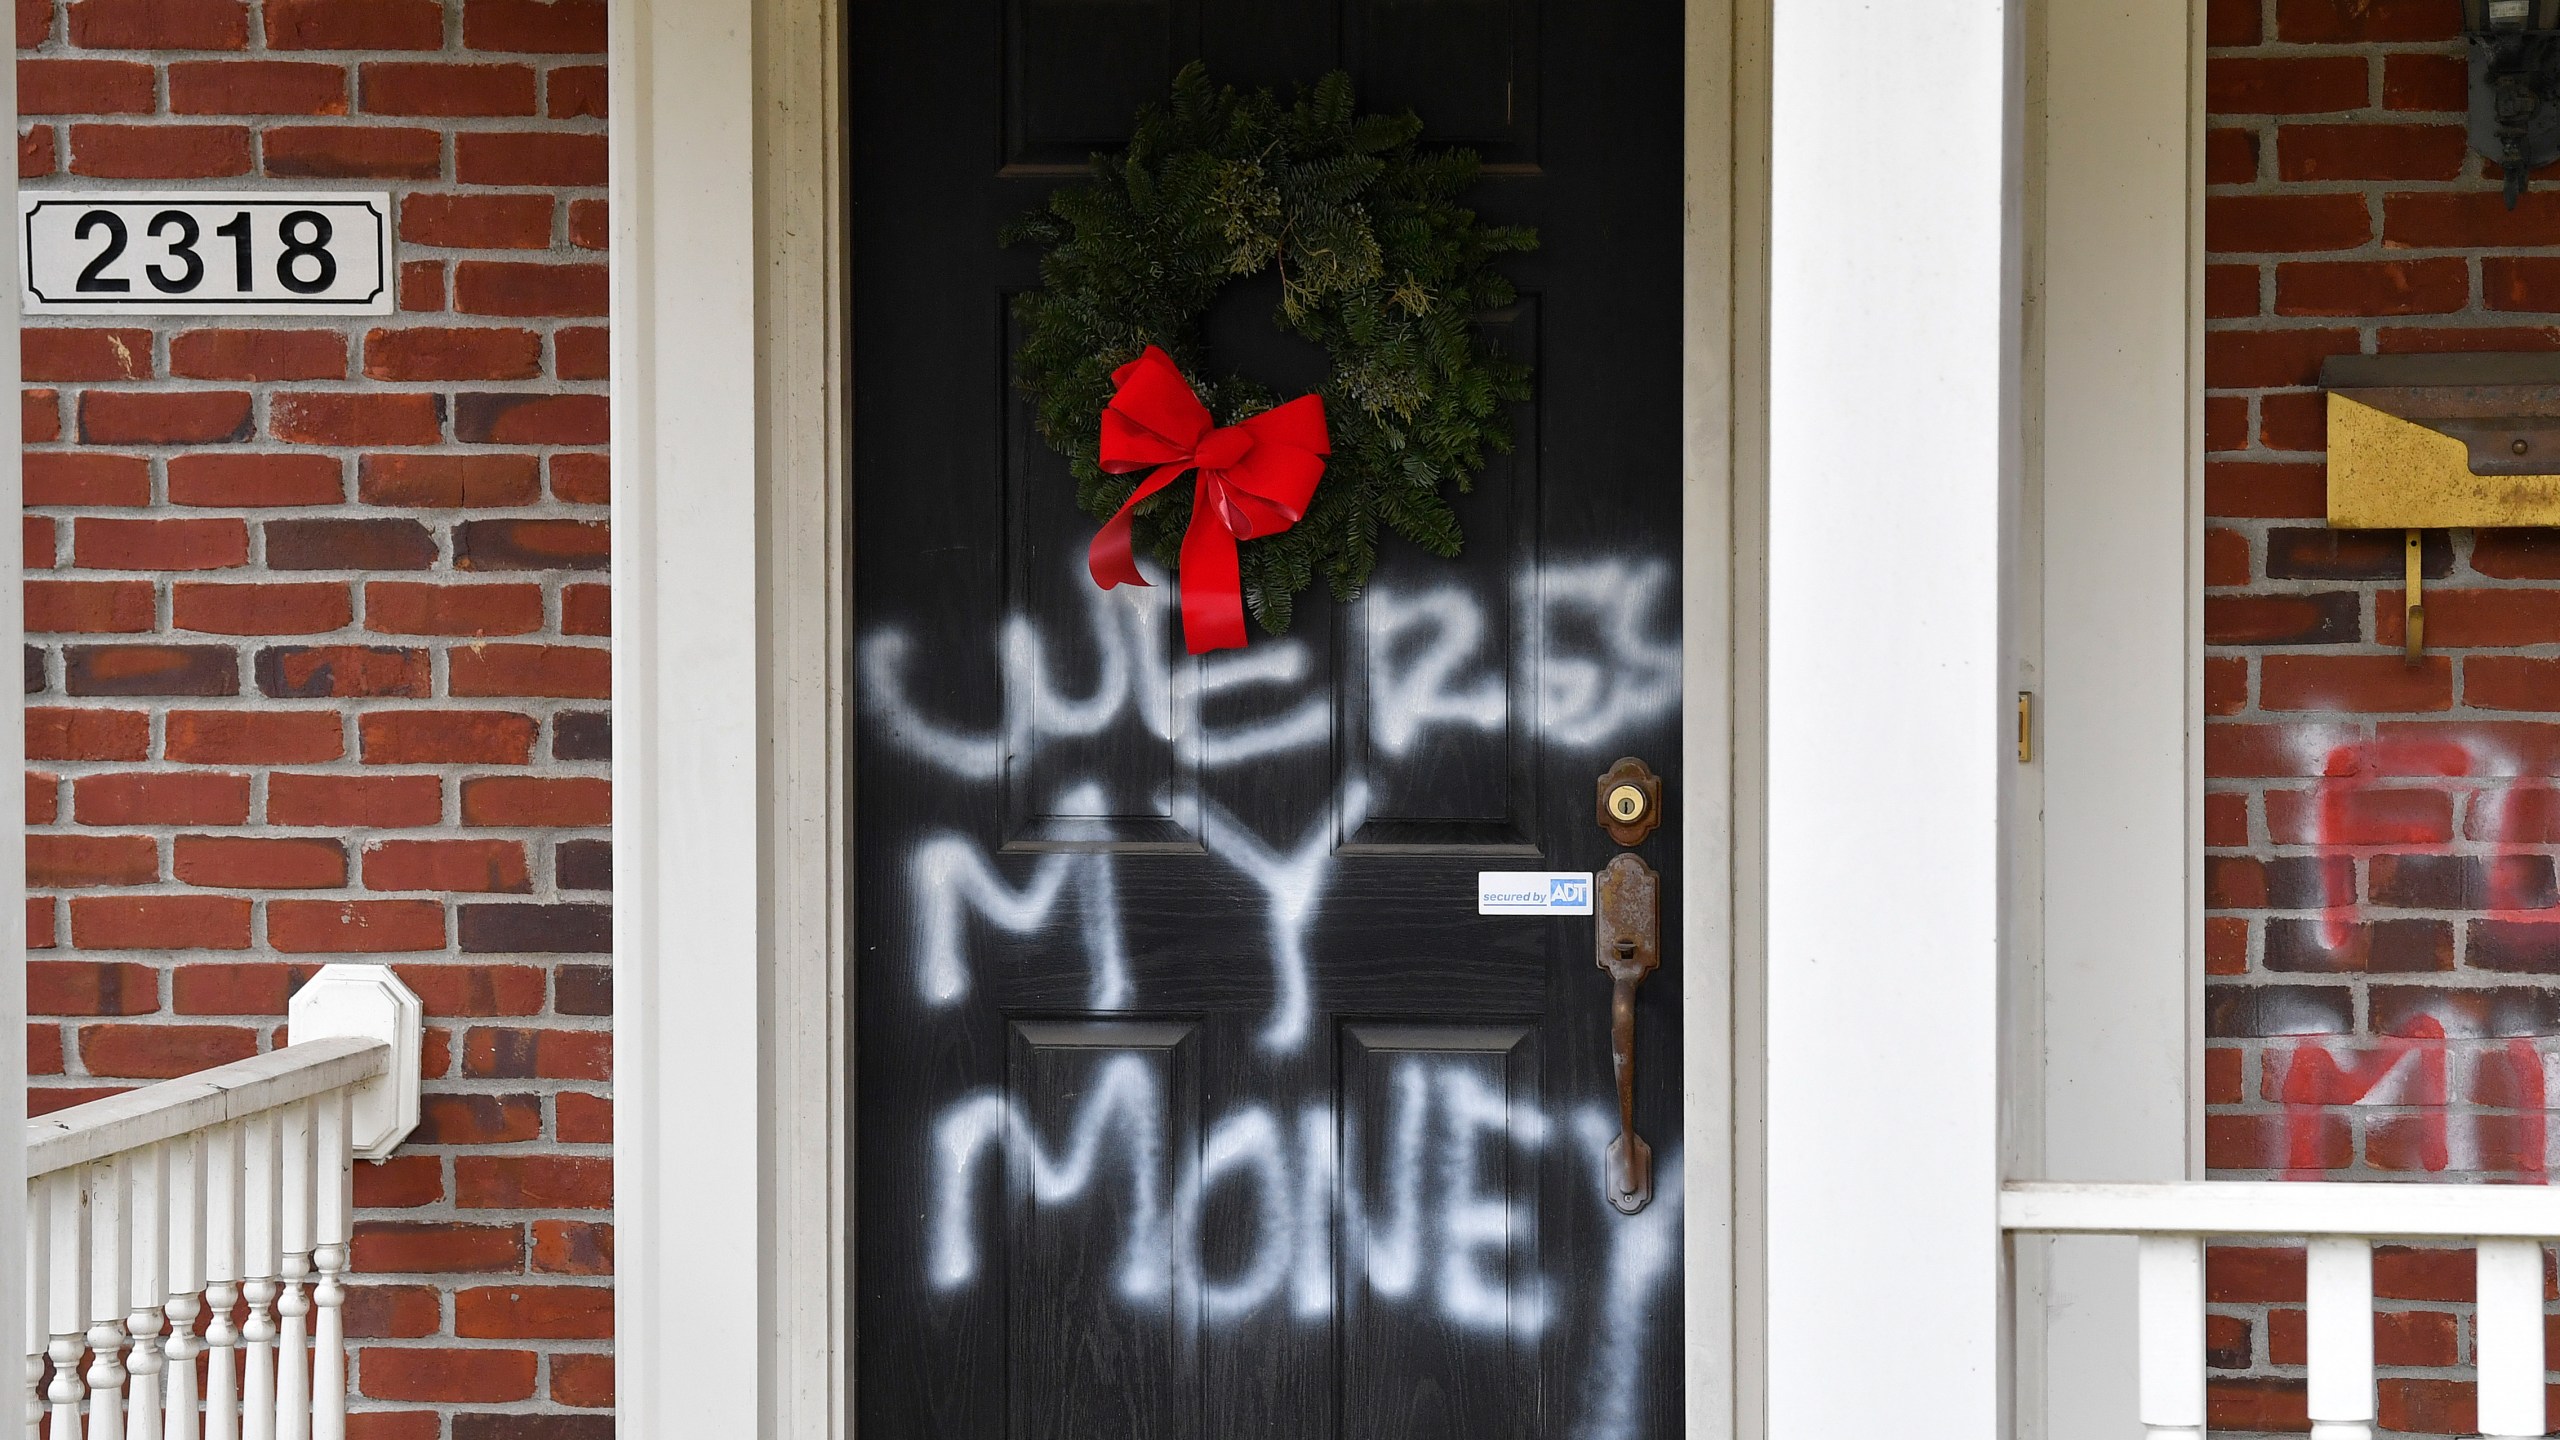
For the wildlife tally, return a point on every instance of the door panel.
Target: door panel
(1075, 70)
(1439, 679)
(1195, 1100)
(1447, 1223)
(1100, 749)
(1091, 1110)
(1468, 67)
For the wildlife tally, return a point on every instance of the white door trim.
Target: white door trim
(731, 773)
(808, 1117)
(2107, 949)
(13, 793)
(1722, 362)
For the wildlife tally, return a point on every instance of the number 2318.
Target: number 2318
(305, 267)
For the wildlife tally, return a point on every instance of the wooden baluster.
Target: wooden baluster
(66, 1207)
(2170, 1295)
(293, 1303)
(110, 1246)
(36, 1275)
(258, 1243)
(2339, 1332)
(148, 1287)
(186, 1279)
(222, 1282)
(2507, 1338)
(331, 1232)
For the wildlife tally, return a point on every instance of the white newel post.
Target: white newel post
(368, 1002)
(224, 1193)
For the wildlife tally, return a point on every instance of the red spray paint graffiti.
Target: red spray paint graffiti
(2365, 807)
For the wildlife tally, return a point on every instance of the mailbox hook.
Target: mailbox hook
(2414, 618)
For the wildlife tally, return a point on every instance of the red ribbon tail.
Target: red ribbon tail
(1212, 583)
(1109, 559)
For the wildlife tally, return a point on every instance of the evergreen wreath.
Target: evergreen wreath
(1378, 264)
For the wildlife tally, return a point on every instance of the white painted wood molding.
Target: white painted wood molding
(87, 1133)
(2172, 1223)
(2284, 1208)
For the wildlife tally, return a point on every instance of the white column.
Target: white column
(2338, 1325)
(688, 722)
(1892, 315)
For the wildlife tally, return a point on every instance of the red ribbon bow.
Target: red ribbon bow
(1255, 479)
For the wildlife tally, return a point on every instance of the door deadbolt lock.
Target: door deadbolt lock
(1630, 801)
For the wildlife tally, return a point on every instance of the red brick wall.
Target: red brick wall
(317, 657)
(2384, 990)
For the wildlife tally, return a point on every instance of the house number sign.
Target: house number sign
(194, 252)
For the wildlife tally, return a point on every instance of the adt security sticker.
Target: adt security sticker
(1533, 892)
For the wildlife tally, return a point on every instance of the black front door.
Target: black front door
(1196, 1100)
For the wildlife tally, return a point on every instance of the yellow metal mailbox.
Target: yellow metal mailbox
(2429, 442)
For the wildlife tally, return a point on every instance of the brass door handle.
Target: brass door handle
(1627, 942)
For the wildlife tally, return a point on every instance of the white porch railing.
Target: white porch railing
(2172, 1223)
(150, 1210)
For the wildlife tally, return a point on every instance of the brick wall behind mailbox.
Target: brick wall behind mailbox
(317, 661)
(2383, 928)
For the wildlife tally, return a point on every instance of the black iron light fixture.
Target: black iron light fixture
(2515, 85)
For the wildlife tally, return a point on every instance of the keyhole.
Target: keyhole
(1626, 802)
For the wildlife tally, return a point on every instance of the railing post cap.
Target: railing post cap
(368, 1001)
